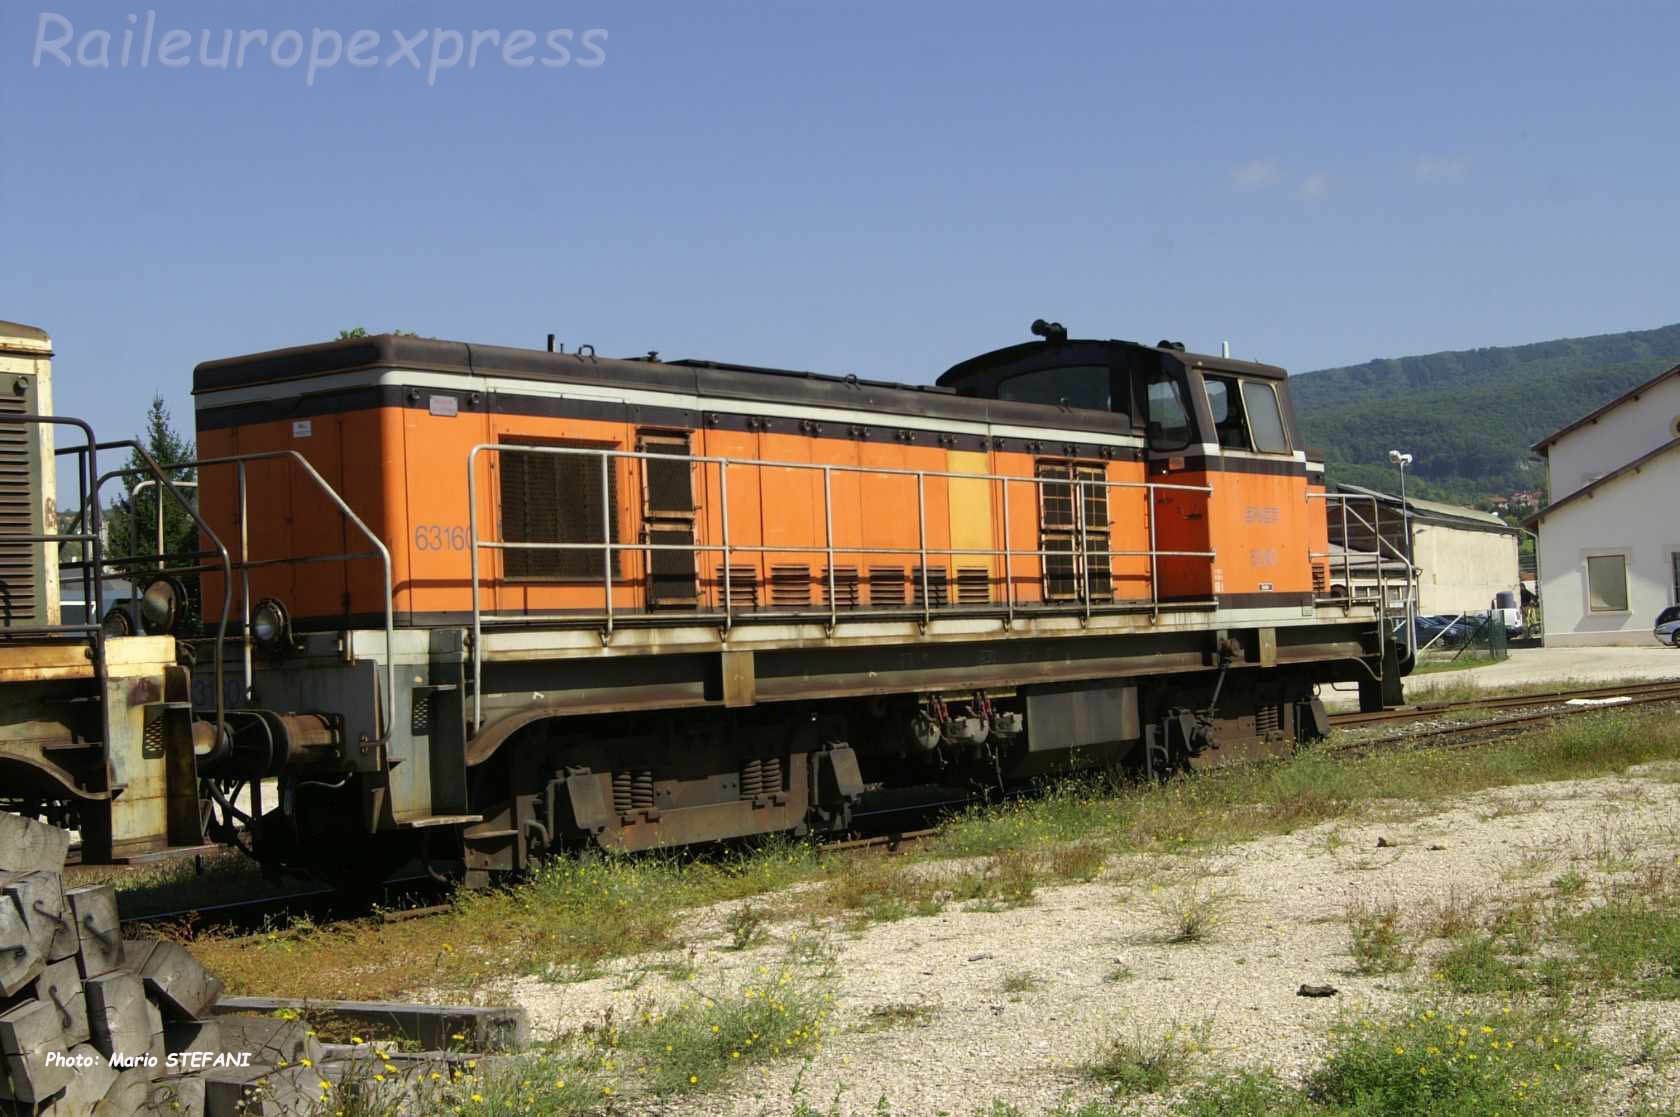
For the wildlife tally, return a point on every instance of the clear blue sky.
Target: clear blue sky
(879, 188)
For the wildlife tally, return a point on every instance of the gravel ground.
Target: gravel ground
(1100, 963)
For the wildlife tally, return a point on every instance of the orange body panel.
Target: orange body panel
(404, 471)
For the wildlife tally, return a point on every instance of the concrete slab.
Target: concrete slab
(21, 956)
(95, 912)
(27, 846)
(182, 987)
(177, 1097)
(268, 1039)
(431, 1026)
(92, 1079)
(40, 896)
(60, 985)
(127, 1095)
(119, 1015)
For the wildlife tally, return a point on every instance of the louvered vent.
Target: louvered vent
(743, 587)
(845, 586)
(886, 587)
(974, 585)
(938, 585)
(790, 586)
(1321, 578)
(17, 557)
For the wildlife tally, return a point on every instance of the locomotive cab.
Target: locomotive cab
(1175, 398)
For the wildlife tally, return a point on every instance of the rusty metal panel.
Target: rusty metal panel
(1073, 716)
(739, 679)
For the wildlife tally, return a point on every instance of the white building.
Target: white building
(1609, 540)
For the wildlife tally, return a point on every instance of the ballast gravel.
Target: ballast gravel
(1091, 960)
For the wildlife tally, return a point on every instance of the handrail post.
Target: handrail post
(723, 496)
(477, 617)
(828, 540)
(1084, 575)
(921, 545)
(1008, 571)
(1347, 554)
(1154, 575)
(244, 574)
(608, 513)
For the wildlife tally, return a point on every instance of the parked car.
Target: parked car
(1446, 632)
(1506, 605)
(1667, 627)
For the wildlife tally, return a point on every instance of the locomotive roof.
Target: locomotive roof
(703, 379)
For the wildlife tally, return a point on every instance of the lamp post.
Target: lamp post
(1403, 460)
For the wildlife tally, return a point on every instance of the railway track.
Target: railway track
(1536, 709)
(1636, 693)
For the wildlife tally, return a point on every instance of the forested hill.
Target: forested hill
(1469, 417)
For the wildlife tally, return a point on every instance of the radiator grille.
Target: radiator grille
(886, 586)
(743, 586)
(17, 557)
(790, 586)
(974, 585)
(556, 498)
(845, 586)
(938, 585)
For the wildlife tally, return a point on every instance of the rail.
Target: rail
(1078, 558)
(1373, 558)
(246, 564)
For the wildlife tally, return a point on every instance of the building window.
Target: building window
(557, 498)
(1607, 590)
(1675, 560)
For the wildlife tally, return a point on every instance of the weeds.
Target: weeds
(746, 927)
(1142, 1063)
(1375, 940)
(1429, 1061)
(696, 1045)
(1192, 912)
(1080, 861)
(1021, 981)
(906, 1015)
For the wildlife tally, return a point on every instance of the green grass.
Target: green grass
(696, 1046)
(1440, 1062)
(1631, 942)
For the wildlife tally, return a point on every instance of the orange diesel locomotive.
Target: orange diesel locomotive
(523, 599)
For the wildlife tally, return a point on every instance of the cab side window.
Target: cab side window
(1229, 423)
(1168, 417)
(1265, 421)
(1082, 386)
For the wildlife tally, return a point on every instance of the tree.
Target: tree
(361, 331)
(131, 519)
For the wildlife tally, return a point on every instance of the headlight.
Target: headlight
(270, 626)
(117, 622)
(161, 606)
